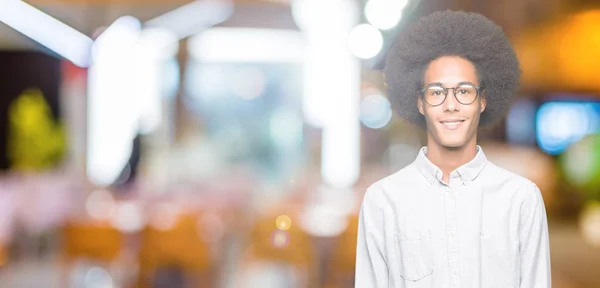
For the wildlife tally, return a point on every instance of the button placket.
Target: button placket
(451, 233)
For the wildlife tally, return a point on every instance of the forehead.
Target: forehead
(450, 70)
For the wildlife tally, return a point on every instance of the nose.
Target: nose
(451, 104)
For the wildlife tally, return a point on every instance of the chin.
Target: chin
(453, 146)
(452, 143)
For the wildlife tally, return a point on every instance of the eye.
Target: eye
(434, 91)
(466, 90)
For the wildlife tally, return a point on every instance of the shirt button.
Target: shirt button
(452, 233)
(455, 273)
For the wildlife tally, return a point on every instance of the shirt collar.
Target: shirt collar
(467, 172)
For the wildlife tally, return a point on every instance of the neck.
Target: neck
(449, 159)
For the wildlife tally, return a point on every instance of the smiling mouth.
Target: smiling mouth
(452, 124)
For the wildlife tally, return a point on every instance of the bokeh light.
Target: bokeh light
(100, 205)
(375, 111)
(280, 239)
(164, 216)
(313, 16)
(128, 217)
(365, 41)
(384, 14)
(283, 222)
(97, 277)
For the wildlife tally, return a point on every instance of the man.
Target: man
(452, 218)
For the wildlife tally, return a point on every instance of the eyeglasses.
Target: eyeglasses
(465, 94)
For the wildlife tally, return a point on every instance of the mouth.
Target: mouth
(452, 124)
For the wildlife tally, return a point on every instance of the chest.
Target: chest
(442, 210)
(456, 230)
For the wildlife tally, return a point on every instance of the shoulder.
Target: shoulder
(526, 191)
(507, 177)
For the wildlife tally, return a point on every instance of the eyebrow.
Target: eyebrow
(442, 85)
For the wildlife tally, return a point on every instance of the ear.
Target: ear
(420, 105)
(483, 103)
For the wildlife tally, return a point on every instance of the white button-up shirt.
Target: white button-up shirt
(486, 228)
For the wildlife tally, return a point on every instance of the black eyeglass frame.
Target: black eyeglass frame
(478, 90)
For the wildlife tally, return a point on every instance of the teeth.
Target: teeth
(452, 124)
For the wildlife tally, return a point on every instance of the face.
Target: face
(452, 124)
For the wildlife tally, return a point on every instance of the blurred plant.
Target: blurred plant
(35, 141)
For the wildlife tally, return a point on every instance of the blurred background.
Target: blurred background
(216, 143)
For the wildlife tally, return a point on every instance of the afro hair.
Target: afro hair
(452, 33)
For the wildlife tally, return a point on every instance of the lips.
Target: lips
(452, 123)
